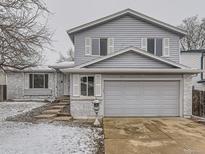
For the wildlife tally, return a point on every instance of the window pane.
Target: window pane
(30, 80)
(46, 80)
(159, 47)
(95, 47)
(83, 86)
(150, 45)
(38, 81)
(90, 86)
(103, 47)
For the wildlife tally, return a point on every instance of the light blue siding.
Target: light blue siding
(130, 60)
(127, 31)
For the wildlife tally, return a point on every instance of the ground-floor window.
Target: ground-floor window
(38, 80)
(87, 85)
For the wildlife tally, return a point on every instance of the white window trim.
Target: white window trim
(98, 38)
(155, 46)
(168, 47)
(86, 96)
(44, 79)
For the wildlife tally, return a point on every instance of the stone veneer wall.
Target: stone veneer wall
(187, 95)
(82, 109)
(16, 86)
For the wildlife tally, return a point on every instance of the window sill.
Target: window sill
(37, 92)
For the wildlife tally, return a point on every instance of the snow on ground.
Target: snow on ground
(13, 108)
(44, 138)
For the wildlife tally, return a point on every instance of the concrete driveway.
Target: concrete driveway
(153, 135)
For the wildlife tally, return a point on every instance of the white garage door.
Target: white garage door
(141, 98)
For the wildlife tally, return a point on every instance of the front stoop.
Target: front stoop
(59, 111)
(63, 118)
(45, 116)
(52, 111)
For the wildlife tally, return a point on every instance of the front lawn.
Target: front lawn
(51, 138)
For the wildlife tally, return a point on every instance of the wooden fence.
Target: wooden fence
(198, 103)
(3, 93)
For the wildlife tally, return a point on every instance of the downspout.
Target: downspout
(202, 64)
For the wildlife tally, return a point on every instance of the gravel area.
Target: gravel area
(46, 138)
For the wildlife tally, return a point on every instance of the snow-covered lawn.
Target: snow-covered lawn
(44, 138)
(13, 108)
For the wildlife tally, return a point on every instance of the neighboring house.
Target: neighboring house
(195, 59)
(130, 62)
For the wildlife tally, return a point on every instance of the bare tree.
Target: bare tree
(195, 38)
(22, 36)
(68, 57)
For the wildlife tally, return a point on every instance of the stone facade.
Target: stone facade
(18, 87)
(187, 95)
(82, 109)
(15, 85)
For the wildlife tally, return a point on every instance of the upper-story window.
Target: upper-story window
(99, 46)
(38, 80)
(156, 46)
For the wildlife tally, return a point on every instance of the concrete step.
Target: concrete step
(51, 111)
(45, 116)
(63, 103)
(66, 101)
(63, 97)
(63, 118)
(57, 107)
(63, 114)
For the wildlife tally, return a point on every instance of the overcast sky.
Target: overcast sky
(70, 13)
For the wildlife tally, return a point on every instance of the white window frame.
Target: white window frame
(155, 45)
(98, 38)
(44, 78)
(168, 47)
(87, 85)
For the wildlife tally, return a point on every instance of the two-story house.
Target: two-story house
(127, 60)
(130, 62)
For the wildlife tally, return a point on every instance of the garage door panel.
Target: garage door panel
(141, 98)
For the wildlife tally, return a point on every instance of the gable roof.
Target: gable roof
(130, 59)
(128, 12)
(138, 51)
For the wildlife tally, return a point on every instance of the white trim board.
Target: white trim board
(131, 71)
